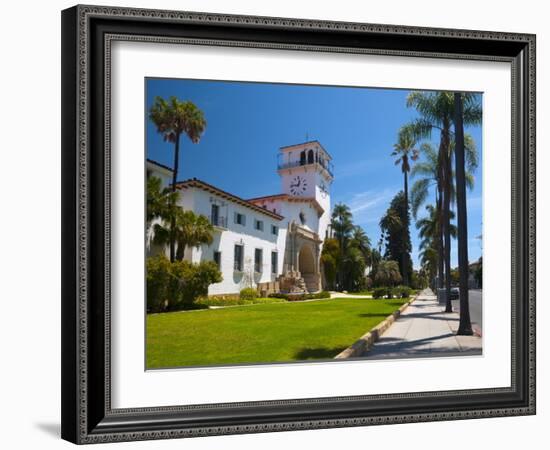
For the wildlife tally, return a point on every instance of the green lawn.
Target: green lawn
(288, 331)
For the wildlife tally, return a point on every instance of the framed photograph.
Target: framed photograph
(279, 224)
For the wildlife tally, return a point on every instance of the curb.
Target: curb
(365, 342)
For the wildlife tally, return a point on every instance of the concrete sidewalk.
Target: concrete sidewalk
(424, 330)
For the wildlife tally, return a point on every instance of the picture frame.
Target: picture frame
(87, 413)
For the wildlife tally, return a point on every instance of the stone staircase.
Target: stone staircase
(311, 282)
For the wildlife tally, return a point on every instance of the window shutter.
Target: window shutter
(244, 220)
(236, 217)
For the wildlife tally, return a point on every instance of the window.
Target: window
(215, 215)
(274, 262)
(310, 157)
(274, 229)
(238, 258)
(258, 260)
(302, 158)
(302, 217)
(258, 225)
(218, 259)
(240, 219)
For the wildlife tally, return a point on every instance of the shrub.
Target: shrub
(403, 291)
(297, 297)
(158, 278)
(380, 292)
(174, 286)
(205, 302)
(248, 294)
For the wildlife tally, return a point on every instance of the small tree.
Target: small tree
(330, 259)
(388, 273)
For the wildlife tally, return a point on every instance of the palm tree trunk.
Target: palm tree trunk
(405, 229)
(441, 228)
(465, 326)
(173, 218)
(439, 237)
(447, 244)
(446, 176)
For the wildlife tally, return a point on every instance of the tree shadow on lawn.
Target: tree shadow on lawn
(318, 353)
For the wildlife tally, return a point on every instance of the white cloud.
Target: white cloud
(369, 206)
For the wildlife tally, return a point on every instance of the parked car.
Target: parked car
(455, 293)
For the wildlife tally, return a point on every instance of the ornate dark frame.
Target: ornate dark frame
(87, 416)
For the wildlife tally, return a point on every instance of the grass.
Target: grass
(279, 332)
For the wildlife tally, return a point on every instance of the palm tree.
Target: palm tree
(428, 231)
(191, 230)
(428, 171)
(405, 149)
(342, 225)
(465, 326)
(355, 264)
(361, 241)
(436, 111)
(388, 273)
(173, 118)
(159, 201)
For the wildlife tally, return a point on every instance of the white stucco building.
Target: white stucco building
(273, 242)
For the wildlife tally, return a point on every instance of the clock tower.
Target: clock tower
(306, 173)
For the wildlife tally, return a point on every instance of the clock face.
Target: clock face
(298, 185)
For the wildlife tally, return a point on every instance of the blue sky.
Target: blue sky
(248, 122)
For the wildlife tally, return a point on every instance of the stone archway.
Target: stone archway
(308, 268)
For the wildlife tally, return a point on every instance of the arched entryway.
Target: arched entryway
(308, 268)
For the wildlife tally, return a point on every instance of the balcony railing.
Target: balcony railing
(218, 221)
(289, 165)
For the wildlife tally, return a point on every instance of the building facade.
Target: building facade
(272, 242)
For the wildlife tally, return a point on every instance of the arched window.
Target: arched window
(302, 158)
(310, 157)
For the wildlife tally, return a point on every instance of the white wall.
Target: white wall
(30, 289)
(200, 202)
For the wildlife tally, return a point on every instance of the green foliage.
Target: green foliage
(419, 279)
(347, 253)
(330, 259)
(368, 283)
(402, 291)
(161, 203)
(191, 230)
(174, 117)
(248, 294)
(175, 286)
(405, 148)
(380, 292)
(158, 281)
(233, 301)
(395, 231)
(298, 297)
(388, 273)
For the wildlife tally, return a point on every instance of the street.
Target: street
(475, 296)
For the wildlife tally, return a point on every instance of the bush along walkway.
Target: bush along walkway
(424, 330)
